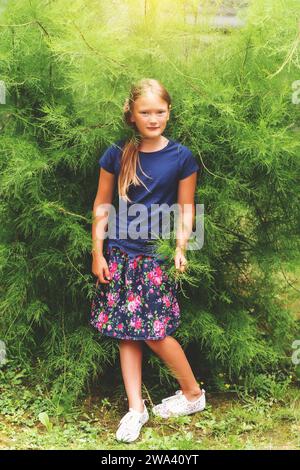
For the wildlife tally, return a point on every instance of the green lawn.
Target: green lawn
(227, 423)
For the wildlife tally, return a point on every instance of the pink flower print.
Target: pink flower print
(166, 300)
(157, 325)
(162, 332)
(155, 277)
(175, 308)
(134, 263)
(134, 304)
(103, 317)
(151, 290)
(109, 327)
(113, 268)
(138, 323)
(111, 299)
(130, 297)
(120, 326)
(166, 320)
(99, 325)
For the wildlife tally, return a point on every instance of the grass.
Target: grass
(226, 423)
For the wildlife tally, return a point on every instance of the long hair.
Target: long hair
(130, 153)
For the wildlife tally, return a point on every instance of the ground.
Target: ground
(227, 423)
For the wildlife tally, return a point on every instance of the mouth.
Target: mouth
(152, 128)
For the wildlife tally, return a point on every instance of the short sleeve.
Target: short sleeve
(188, 164)
(107, 160)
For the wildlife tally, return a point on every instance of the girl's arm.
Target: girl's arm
(104, 196)
(185, 200)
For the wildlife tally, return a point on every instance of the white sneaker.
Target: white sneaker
(131, 424)
(179, 405)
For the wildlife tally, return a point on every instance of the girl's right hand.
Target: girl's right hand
(100, 269)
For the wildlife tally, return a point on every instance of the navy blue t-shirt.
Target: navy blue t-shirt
(163, 168)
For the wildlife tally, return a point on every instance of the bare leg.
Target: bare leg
(131, 354)
(170, 351)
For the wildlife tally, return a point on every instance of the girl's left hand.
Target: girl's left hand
(180, 260)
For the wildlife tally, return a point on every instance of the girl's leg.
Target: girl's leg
(170, 351)
(131, 354)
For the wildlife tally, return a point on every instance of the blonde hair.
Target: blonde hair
(130, 152)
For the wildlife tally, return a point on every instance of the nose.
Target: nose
(152, 120)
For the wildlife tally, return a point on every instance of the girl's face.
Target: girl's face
(150, 115)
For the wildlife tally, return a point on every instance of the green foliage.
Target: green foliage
(28, 420)
(44, 419)
(67, 72)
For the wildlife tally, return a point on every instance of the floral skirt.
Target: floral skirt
(139, 302)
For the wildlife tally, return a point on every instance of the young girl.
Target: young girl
(136, 299)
